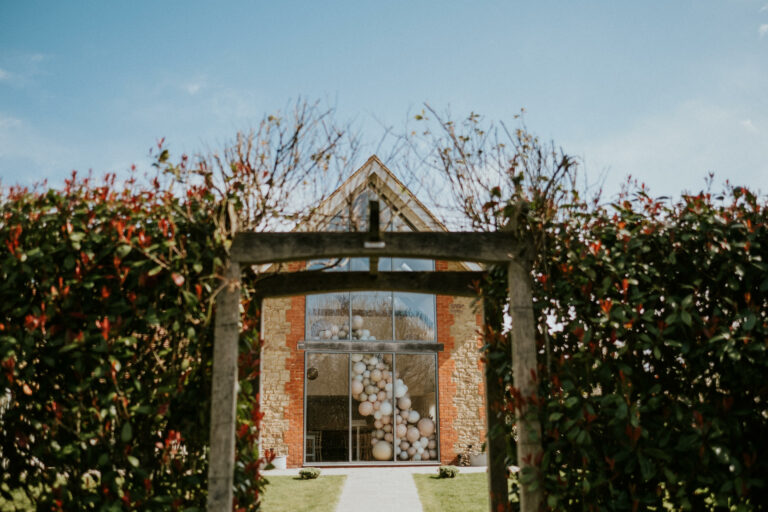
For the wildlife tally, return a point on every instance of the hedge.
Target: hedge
(653, 332)
(106, 305)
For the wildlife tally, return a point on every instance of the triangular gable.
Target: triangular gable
(374, 174)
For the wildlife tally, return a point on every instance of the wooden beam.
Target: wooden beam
(462, 284)
(257, 248)
(525, 377)
(221, 468)
(372, 346)
(496, 444)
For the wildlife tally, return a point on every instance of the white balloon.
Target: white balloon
(373, 360)
(419, 450)
(335, 330)
(401, 430)
(413, 417)
(366, 373)
(357, 322)
(377, 415)
(386, 407)
(376, 375)
(400, 390)
(356, 357)
(403, 455)
(358, 367)
(388, 386)
(365, 332)
(416, 457)
(357, 387)
(412, 434)
(404, 403)
(358, 378)
(365, 408)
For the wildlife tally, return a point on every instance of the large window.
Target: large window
(371, 406)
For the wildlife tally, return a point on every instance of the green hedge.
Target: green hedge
(653, 389)
(106, 297)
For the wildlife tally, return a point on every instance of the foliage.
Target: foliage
(106, 308)
(448, 471)
(653, 328)
(309, 473)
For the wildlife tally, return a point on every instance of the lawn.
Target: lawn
(291, 494)
(464, 493)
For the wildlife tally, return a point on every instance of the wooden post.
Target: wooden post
(221, 467)
(496, 445)
(525, 377)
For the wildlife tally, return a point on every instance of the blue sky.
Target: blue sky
(665, 91)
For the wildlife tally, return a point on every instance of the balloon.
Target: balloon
(357, 387)
(404, 445)
(401, 430)
(386, 407)
(412, 434)
(433, 454)
(365, 408)
(426, 426)
(357, 322)
(378, 424)
(432, 444)
(356, 357)
(358, 367)
(404, 403)
(413, 417)
(403, 455)
(388, 437)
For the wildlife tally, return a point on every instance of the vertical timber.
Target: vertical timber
(224, 392)
(525, 380)
(496, 445)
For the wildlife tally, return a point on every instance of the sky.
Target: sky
(663, 91)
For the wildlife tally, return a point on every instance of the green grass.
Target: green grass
(291, 494)
(465, 493)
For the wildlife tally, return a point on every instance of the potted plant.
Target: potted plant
(477, 457)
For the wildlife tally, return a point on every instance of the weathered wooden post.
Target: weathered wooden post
(525, 377)
(496, 445)
(221, 467)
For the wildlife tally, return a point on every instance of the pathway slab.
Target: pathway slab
(379, 490)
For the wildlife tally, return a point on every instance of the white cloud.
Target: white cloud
(4, 75)
(193, 88)
(749, 126)
(764, 8)
(673, 151)
(763, 30)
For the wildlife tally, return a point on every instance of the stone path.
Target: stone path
(381, 489)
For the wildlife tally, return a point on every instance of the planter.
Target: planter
(478, 459)
(279, 462)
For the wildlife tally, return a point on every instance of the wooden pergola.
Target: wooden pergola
(498, 248)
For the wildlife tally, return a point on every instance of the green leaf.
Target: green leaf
(126, 433)
(133, 461)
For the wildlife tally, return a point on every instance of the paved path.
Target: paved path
(382, 489)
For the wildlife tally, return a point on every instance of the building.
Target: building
(419, 402)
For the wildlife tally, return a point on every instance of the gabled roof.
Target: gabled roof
(373, 173)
